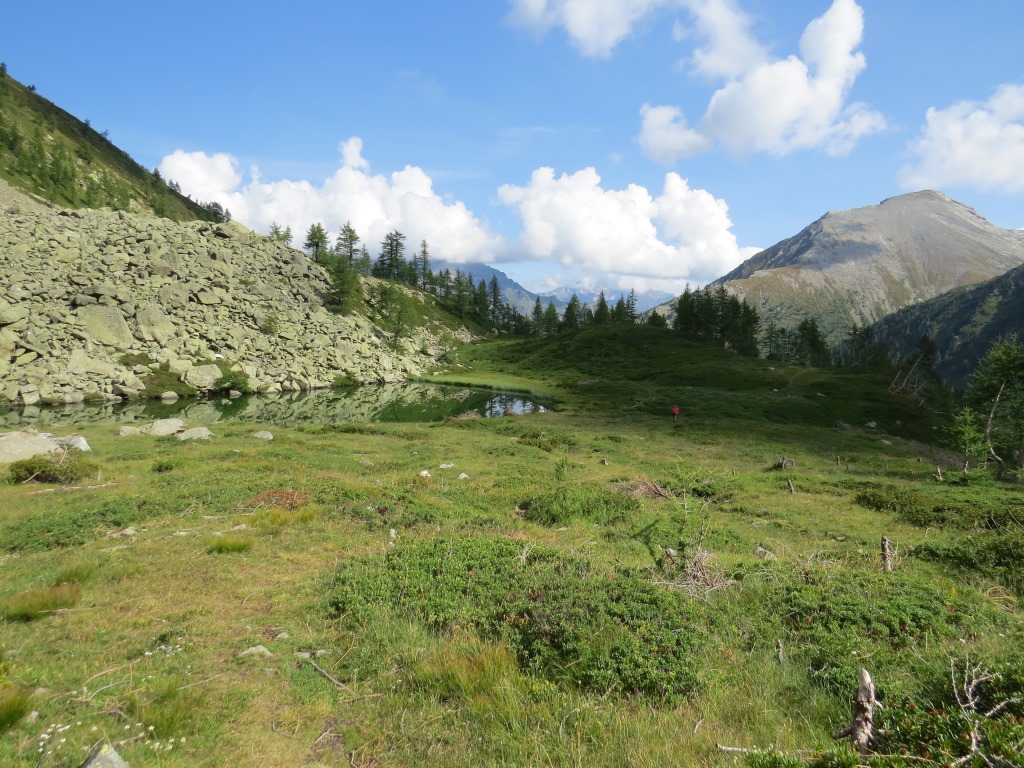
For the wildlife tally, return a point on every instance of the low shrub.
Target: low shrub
(232, 380)
(57, 467)
(958, 506)
(563, 621)
(70, 527)
(998, 555)
(839, 617)
(270, 325)
(570, 502)
(935, 724)
(33, 604)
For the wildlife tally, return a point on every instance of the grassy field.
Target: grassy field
(604, 586)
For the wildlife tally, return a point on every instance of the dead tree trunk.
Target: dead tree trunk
(988, 426)
(791, 488)
(861, 730)
(887, 554)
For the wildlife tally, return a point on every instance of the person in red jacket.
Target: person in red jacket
(675, 413)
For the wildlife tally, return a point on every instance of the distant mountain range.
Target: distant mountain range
(859, 266)
(522, 299)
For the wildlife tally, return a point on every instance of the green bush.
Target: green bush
(563, 621)
(570, 502)
(998, 555)
(934, 724)
(70, 527)
(976, 505)
(232, 380)
(837, 618)
(270, 325)
(57, 467)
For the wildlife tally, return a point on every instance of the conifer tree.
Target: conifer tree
(602, 315)
(316, 241)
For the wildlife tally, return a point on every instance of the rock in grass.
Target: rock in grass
(74, 442)
(105, 756)
(162, 427)
(256, 650)
(196, 433)
(425, 473)
(17, 446)
(263, 435)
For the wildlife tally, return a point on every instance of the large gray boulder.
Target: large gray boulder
(15, 446)
(202, 376)
(106, 325)
(162, 427)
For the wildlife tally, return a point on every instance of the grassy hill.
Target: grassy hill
(53, 155)
(605, 587)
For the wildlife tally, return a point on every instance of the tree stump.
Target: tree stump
(861, 730)
(888, 555)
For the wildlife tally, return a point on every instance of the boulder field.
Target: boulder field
(93, 301)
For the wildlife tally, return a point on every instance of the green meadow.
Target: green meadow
(596, 585)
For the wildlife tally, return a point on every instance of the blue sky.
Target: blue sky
(644, 143)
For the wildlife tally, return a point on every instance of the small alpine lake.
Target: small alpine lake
(407, 402)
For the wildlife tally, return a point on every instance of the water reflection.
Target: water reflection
(391, 402)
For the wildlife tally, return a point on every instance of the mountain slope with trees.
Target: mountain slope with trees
(51, 154)
(962, 324)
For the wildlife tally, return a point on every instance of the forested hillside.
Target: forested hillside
(53, 155)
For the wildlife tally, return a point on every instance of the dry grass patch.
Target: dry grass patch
(14, 705)
(279, 499)
(227, 543)
(33, 604)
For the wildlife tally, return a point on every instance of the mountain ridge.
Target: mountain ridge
(860, 265)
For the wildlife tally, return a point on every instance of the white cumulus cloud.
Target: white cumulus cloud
(623, 237)
(639, 239)
(375, 204)
(594, 26)
(971, 143)
(203, 176)
(775, 106)
(666, 137)
(731, 50)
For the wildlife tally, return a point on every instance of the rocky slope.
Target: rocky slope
(861, 265)
(93, 301)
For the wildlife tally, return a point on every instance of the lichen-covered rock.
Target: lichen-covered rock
(196, 433)
(15, 446)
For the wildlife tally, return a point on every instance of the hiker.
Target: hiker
(675, 413)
